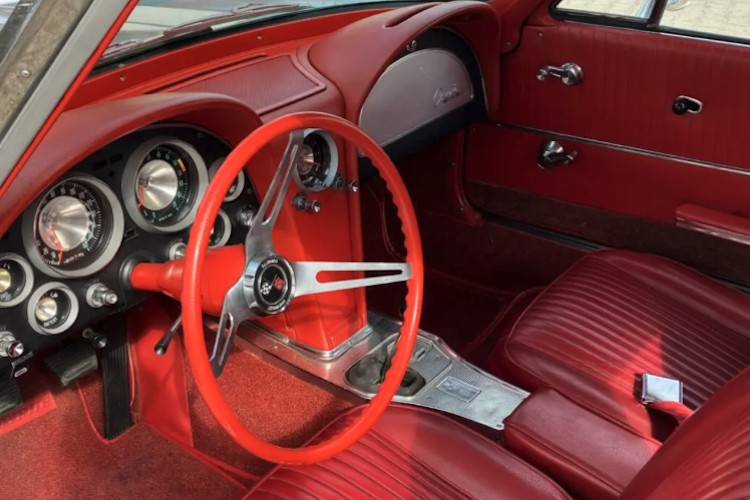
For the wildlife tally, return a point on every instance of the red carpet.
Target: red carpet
(274, 404)
(60, 456)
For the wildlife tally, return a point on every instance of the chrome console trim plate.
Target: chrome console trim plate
(453, 385)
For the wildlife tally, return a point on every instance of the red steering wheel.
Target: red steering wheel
(269, 282)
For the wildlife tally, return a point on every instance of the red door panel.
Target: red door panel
(636, 157)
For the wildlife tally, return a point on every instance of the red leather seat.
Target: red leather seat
(616, 314)
(412, 453)
(417, 454)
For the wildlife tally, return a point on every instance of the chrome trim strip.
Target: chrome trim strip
(712, 230)
(628, 149)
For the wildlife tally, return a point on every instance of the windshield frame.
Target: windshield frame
(44, 81)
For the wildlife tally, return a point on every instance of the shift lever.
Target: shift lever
(161, 347)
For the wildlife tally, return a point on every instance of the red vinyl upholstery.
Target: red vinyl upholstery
(708, 457)
(412, 453)
(616, 314)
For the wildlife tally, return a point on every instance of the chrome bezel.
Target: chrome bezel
(130, 173)
(333, 167)
(29, 277)
(227, 230)
(241, 179)
(72, 315)
(111, 246)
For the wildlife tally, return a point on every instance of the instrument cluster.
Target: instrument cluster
(64, 263)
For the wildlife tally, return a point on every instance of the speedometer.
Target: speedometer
(163, 181)
(76, 228)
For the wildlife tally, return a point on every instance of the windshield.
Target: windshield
(153, 22)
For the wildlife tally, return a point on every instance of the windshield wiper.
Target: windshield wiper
(199, 26)
(248, 11)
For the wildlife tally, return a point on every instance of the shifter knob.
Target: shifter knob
(9, 346)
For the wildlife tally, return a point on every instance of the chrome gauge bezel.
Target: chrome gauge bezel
(241, 179)
(111, 246)
(72, 314)
(130, 174)
(28, 277)
(227, 230)
(333, 166)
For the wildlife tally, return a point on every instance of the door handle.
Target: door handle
(552, 153)
(684, 104)
(570, 73)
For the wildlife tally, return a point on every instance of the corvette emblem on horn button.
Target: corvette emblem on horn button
(274, 284)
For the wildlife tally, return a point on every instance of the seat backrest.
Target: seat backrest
(708, 456)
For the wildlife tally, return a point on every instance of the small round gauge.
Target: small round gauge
(235, 190)
(318, 161)
(16, 279)
(163, 181)
(221, 231)
(76, 228)
(52, 309)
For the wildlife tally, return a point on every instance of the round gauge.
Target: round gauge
(221, 231)
(52, 309)
(318, 161)
(76, 228)
(235, 190)
(16, 279)
(163, 181)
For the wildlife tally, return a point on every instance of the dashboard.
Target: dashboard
(126, 191)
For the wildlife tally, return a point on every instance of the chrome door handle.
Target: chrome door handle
(570, 73)
(552, 154)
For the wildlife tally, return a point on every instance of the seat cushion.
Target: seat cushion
(616, 314)
(411, 453)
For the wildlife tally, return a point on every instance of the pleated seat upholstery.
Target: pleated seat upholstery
(617, 314)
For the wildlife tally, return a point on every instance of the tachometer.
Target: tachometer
(76, 228)
(163, 181)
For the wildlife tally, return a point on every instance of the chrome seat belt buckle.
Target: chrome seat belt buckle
(655, 388)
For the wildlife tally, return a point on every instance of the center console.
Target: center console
(438, 378)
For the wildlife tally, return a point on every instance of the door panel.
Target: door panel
(631, 79)
(638, 162)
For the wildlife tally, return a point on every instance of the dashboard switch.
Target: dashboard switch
(9, 346)
(302, 203)
(177, 250)
(99, 295)
(246, 216)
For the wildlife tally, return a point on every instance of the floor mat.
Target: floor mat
(60, 456)
(274, 404)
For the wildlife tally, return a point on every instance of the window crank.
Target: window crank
(570, 73)
(552, 153)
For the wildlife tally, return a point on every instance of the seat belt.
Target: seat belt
(664, 394)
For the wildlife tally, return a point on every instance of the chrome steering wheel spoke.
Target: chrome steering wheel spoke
(234, 311)
(240, 303)
(259, 235)
(307, 282)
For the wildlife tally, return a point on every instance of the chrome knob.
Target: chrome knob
(246, 216)
(45, 309)
(302, 203)
(177, 250)
(99, 295)
(9, 346)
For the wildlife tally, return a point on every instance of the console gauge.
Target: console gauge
(221, 231)
(76, 228)
(52, 309)
(163, 182)
(16, 279)
(235, 190)
(318, 161)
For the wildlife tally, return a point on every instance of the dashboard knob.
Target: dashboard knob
(177, 250)
(302, 203)
(99, 295)
(246, 216)
(45, 309)
(9, 346)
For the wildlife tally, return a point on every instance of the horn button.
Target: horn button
(273, 285)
